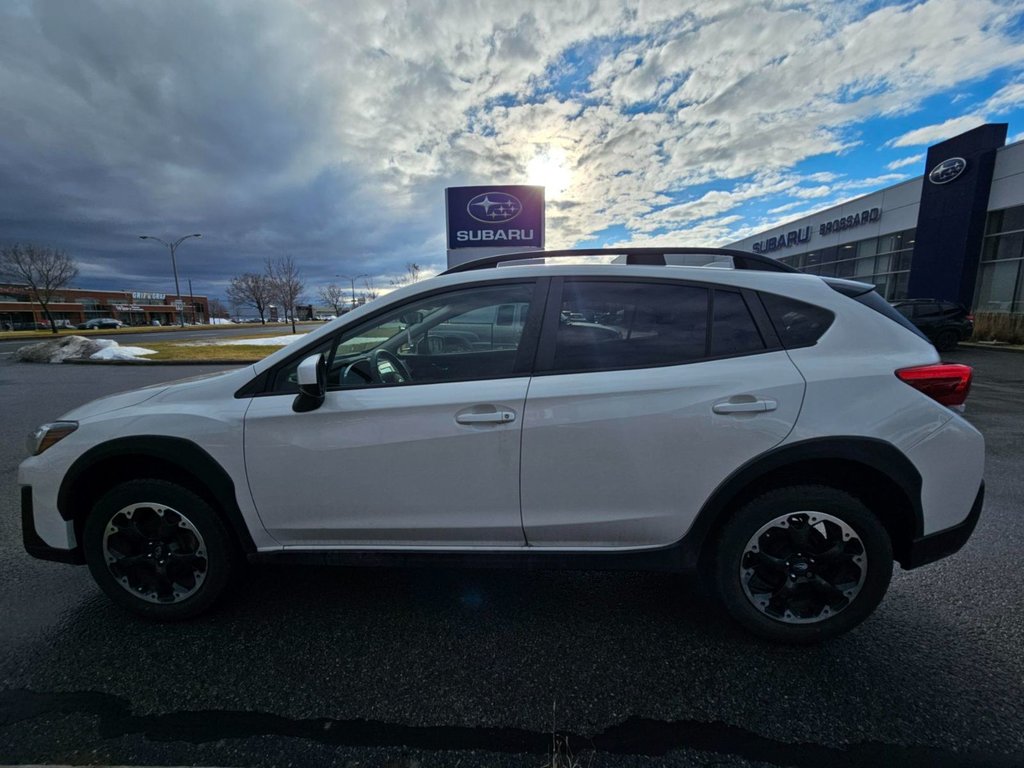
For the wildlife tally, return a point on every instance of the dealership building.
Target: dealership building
(956, 233)
(74, 305)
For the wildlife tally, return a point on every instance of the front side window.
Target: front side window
(458, 335)
(605, 325)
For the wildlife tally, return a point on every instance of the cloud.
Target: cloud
(1008, 97)
(903, 162)
(930, 134)
(330, 130)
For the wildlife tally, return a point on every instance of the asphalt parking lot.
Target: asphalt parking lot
(319, 666)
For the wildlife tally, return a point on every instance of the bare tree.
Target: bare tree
(44, 270)
(334, 296)
(286, 284)
(251, 290)
(217, 308)
(370, 288)
(412, 275)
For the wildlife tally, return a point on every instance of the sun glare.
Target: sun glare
(549, 170)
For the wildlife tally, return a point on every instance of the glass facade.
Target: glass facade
(1000, 286)
(883, 261)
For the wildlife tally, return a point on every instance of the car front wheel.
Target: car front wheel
(802, 564)
(159, 550)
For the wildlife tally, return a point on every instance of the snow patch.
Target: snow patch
(58, 350)
(269, 341)
(78, 347)
(115, 351)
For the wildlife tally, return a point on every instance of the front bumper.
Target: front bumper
(34, 543)
(940, 544)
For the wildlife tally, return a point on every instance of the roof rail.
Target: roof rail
(639, 256)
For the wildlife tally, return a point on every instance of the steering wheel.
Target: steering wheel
(386, 368)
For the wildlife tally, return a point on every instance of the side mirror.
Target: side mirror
(312, 377)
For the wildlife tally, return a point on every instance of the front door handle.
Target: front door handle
(492, 417)
(745, 404)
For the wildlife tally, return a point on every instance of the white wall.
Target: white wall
(1008, 178)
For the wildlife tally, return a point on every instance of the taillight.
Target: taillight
(946, 383)
(970, 318)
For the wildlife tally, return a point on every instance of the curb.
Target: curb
(992, 345)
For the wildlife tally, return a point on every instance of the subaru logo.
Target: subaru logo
(494, 207)
(947, 170)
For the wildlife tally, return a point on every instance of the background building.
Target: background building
(955, 233)
(17, 307)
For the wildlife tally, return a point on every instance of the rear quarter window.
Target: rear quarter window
(797, 323)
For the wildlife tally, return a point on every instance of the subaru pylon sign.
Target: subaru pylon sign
(501, 217)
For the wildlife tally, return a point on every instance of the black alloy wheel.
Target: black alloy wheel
(159, 550)
(801, 564)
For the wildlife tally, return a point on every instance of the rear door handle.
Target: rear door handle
(757, 405)
(494, 417)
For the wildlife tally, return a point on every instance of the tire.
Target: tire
(159, 550)
(801, 564)
(946, 341)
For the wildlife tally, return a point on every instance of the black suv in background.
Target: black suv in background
(944, 322)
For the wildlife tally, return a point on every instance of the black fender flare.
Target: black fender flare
(187, 458)
(872, 453)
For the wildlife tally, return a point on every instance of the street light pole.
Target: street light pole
(174, 267)
(352, 282)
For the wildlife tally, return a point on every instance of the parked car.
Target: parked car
(100, 322)
(786, 435)
(945, 323)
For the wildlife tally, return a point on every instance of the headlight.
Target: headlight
(48, 435)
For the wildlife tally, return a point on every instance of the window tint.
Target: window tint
(798, 324)
(452, 336)
(506, 314)
(926, 310)
(733, 330)
(629, 325)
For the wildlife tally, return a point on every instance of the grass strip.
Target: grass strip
(169, 350)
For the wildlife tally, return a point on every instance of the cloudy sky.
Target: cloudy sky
(329, 129)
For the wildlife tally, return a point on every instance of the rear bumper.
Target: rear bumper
(34, 543)
(940, 544)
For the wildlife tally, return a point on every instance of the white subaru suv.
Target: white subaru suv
(786, 436)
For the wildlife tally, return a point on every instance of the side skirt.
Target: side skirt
(673, 558)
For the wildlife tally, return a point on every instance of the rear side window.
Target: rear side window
(605, 325)
(873, 300)
(798, 323)
(733, 331)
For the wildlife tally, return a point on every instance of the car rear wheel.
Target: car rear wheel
(159, 550)
(802, 564)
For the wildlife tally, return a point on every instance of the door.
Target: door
(636, 412)
(417, 441)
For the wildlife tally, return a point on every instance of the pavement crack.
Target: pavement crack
(634, 736)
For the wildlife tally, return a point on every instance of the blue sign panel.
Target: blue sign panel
(495, 217)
